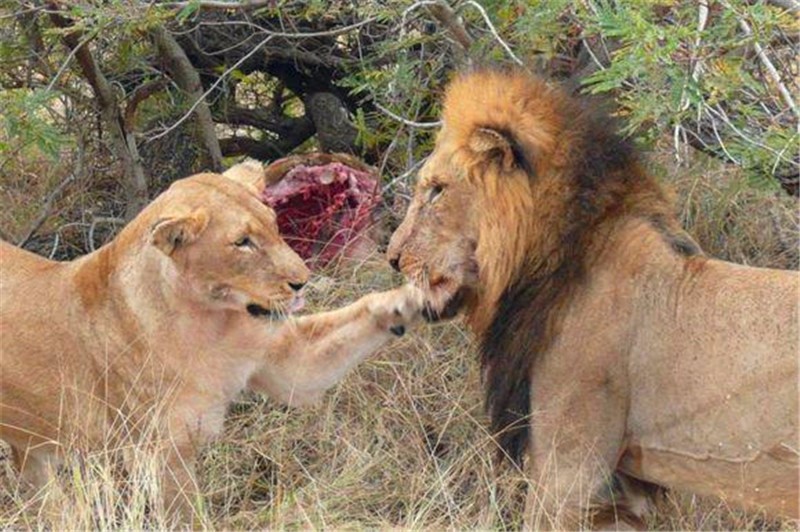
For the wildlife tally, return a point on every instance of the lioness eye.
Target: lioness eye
(436, 191)
(243, 242)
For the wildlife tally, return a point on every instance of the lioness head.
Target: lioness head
(496, 158)
(222, 245)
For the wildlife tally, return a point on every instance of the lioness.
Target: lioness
(610, 343)
(166, 325)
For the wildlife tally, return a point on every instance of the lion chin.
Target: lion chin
(435, 310)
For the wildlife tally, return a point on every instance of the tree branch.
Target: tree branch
(770, 68)
(266, 149)
(44, 213)
(140, 94)
(445, 15)
(406, 121)
(123, 143)
(213, 86)
(260, 118)
(188, 79)
(493, 30)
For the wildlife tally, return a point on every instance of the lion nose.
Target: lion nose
(394, 262)
(296, 286)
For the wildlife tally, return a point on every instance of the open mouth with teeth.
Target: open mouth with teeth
(260, 311)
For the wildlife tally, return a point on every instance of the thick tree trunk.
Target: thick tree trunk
(123, 143)
(188, 79)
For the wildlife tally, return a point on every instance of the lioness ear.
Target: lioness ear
(493, 144)
(249, 173)
(167, 234)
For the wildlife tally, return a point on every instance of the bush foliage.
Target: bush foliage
(718, 76)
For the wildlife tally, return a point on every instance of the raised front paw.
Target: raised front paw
(396, 310)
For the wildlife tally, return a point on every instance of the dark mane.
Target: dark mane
(603, 174)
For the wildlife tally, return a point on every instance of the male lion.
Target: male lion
(611, 346)
(165, 325)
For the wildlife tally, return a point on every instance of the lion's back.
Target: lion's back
(26, 281)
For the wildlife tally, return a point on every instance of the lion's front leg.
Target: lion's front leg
(314, 352)
(578, 432)
(179, 488)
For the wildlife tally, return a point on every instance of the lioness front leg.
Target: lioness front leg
(179, 489)
(313, 353)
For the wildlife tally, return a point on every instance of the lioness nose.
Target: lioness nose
(394, 262)
(296, 286)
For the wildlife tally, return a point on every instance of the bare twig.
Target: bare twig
(221, 5)
(702, 19)
(722, 115)
(101, 220)
(388, 151)
(416, 166)
(406, 121)
(45, 213)
(492, 29)
(414, 7)
(770, 68)
(56, 241)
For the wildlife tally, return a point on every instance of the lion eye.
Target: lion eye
(436, 191)
(243, 242)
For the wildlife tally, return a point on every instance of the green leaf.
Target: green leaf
(188, 10)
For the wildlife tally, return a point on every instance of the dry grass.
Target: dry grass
(732, 218)
(402, 441)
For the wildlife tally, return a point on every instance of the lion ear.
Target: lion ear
(249, 173)
(495, 145)
(169, 233)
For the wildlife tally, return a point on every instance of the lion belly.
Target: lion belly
(714, 387)
(762, 481)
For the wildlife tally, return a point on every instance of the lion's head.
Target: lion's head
(470, 223)
(221, 244)
(510, 208)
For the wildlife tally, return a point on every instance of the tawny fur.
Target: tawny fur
(150, 337)
(610, 344)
